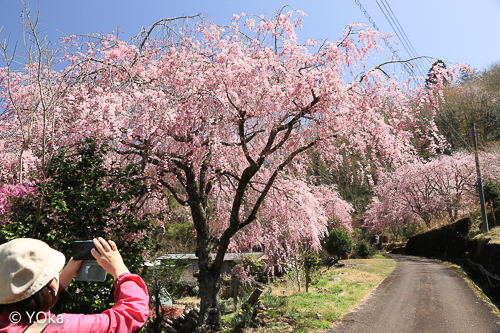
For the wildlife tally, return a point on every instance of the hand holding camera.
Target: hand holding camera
(98, 257)
(108, 257)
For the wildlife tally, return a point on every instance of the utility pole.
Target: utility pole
(480, 184)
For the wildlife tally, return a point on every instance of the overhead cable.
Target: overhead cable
(409, 69)
(404, 33)
(406, 36)
(399, 34)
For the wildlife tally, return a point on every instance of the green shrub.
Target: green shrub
(338, 242)
(363, 250)
(492, 192)
(85, 199)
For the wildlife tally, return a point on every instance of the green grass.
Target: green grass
(494, 233)
(326, 300)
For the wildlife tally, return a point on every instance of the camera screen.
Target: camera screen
(91, 271)
(81, 250)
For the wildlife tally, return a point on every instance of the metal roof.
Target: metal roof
(227, 256)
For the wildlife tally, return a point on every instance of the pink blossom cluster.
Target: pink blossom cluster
(11, 193)
(293, 222)
(443, 186)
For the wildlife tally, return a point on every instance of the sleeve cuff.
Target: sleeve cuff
(122, 277)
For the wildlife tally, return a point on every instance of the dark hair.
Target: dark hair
(43, 300)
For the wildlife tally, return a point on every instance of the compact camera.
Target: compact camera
(90, 269)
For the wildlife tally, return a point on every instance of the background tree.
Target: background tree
(492, 193)
(163, 280)
(432, 76)
(443, 186)
(353, 180)
(222, 120)
(475, 100)
(85, 199)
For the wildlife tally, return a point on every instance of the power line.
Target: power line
(399, 34)
(404, 33)
(408, 40)
(411, 51)
(410, 71)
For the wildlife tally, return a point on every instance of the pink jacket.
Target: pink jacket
(128, 315)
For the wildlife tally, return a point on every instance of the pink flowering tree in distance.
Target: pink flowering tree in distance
(424, 190)
(11, 194)
(220, 119)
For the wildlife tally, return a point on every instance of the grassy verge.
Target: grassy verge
(494, 234)
(287, 310)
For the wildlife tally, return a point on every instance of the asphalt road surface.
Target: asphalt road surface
(421, 296)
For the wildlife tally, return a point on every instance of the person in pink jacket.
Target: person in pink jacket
(30, 285)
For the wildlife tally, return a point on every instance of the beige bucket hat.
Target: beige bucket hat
(26, 266)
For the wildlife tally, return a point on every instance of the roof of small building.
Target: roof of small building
(227, 256)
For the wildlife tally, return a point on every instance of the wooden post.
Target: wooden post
(254, 297)
(235, 293)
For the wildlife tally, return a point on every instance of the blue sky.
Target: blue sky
(452, 30)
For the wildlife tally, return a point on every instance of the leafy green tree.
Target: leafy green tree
(338, 242)
(310, 263)
(162, 280)
(85, 199)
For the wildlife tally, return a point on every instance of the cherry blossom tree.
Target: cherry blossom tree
(29, 102)
(11, 194)
(424, 190)
(220, 119)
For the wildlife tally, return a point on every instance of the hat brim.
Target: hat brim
(52, 269)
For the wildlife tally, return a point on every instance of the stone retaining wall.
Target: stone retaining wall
(453, 242)
(446, 242)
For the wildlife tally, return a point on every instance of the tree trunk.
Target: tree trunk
(427, 221)
(298, 276)
(307, 278)
(210, 284)
(21, 166)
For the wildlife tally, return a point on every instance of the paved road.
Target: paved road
(421, 296)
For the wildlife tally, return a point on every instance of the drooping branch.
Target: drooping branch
(269, 184)
(235, 226)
